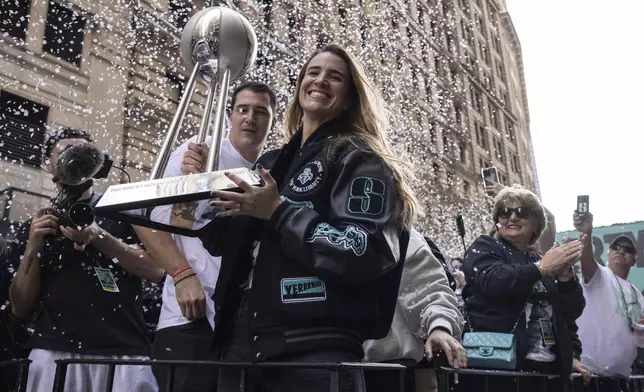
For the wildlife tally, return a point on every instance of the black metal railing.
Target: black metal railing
(447, 378)
(448, 383)
(334, 368)
(22, 374)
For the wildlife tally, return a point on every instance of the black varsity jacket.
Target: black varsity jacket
(328, 267)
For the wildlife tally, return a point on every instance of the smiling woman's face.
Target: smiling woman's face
(517, 224)
(324, 91)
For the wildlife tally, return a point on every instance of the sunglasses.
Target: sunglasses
(521, 212)
(624, 248)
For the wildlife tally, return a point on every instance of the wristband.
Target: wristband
(183, 274)
(180, 270)
(184, 277)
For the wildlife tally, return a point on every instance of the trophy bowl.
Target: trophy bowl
(221, 38)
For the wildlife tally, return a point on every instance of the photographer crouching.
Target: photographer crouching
(80, 279)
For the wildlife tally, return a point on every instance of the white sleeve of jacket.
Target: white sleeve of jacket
(425, 298)
(172, 169)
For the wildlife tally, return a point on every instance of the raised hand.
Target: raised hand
(194, 160)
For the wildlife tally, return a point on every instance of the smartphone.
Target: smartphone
(490, 175)
(582, 204)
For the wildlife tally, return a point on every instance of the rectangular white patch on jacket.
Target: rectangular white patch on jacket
(307, 289)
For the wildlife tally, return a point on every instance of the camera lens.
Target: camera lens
(81, 215)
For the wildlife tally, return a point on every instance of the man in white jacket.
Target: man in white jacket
(426, 319)
(187, 315)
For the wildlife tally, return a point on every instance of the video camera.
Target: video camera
(77, 167)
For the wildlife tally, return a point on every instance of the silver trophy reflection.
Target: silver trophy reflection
(219, 45)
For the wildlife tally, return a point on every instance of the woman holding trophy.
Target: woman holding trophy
(311, 259)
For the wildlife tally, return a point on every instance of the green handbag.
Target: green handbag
(491, 350)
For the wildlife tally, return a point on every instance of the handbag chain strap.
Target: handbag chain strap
(514, 327)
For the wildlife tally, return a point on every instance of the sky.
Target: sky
(584, 67)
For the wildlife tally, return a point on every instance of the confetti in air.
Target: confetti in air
(113, 67)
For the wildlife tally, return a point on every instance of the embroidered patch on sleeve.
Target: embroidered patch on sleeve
(304, 203)
(353, 238)
(308, 179)
(366, 196)
(308, 289)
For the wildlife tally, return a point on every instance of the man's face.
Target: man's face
(251, 119)
(58, 149)
(622, 253)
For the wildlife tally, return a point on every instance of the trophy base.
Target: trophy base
(133, 203)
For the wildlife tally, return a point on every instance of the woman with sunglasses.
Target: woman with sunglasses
(512, 288)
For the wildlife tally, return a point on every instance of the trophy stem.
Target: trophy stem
(220, 112)
(175, 126)
(207, 113)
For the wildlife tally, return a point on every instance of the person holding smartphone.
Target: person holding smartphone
(611, 350)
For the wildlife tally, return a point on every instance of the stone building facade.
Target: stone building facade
(450, 70)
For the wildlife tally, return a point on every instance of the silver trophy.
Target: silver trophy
(219, 45)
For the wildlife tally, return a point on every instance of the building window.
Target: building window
(505, 98)
(364, 34)
(433, 28)
(342, 12)
(509, 130)
(178, 13)
(500, 71)
(450, 180)
(485, 54)
(494, 117)
(262, 66)
(481, 135)
(22, 129)
(383, 52)
(503, 178)
(466, 188)
(410, 38)
(432, 133)
(498, 150)
(421, 15)
(496, 43)
(516, 167)
(447, 146)
(414, 78)
(64, 33)
(14, 17)
(436, 172)
(323, 39)
(293, 27)
(475, 99)
(176, 86)
(424, 48)
(462, 152)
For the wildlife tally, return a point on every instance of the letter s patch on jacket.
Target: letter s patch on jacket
(366, 196)
(308, 289)
(352, 237)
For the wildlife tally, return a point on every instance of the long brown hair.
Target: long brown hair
(366, 126)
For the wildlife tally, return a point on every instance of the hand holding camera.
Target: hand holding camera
(83, 237)
(44, 223)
